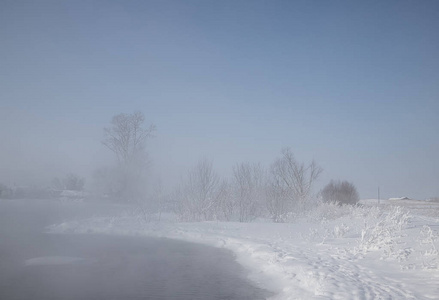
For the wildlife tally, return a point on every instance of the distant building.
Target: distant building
(400, 198)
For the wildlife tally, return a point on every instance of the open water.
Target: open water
(37, 265)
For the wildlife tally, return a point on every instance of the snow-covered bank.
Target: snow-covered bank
(332, 253)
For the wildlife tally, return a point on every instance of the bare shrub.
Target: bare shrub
(342, 192)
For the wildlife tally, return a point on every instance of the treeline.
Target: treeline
(253, 191)
(70, 182)
(279, 191)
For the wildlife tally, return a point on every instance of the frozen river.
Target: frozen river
(37, 265)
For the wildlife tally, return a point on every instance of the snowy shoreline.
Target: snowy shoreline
(333, 253)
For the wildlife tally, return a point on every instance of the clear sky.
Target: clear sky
(351, 84)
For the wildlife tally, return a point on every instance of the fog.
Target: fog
(257, 107)
(37, 148)
(223, 83)
(36, 265)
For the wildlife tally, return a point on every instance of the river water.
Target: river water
(37, 265)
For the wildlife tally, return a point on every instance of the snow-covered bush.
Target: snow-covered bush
(328, 211)
(428, 238)
(340, 230)
(385, 233)
(429, 248)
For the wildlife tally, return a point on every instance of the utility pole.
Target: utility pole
(379, 200)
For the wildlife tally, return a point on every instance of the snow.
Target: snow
(368, 252)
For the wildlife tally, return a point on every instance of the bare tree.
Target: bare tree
(293, 181)
(249, 181)
(200, 193)
(127, 138)
(342, 192)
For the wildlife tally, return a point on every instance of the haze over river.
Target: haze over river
(37, 265)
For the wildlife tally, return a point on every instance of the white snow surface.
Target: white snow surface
(333, 252)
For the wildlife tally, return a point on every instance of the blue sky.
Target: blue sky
(351, 84)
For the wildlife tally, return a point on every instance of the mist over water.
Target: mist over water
(38, 265)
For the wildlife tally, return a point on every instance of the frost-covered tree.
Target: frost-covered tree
(291, 182)
(342, 192)
(126, 138)
(249, 185)
(200, 193)
(278, 204)
(226, 203)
